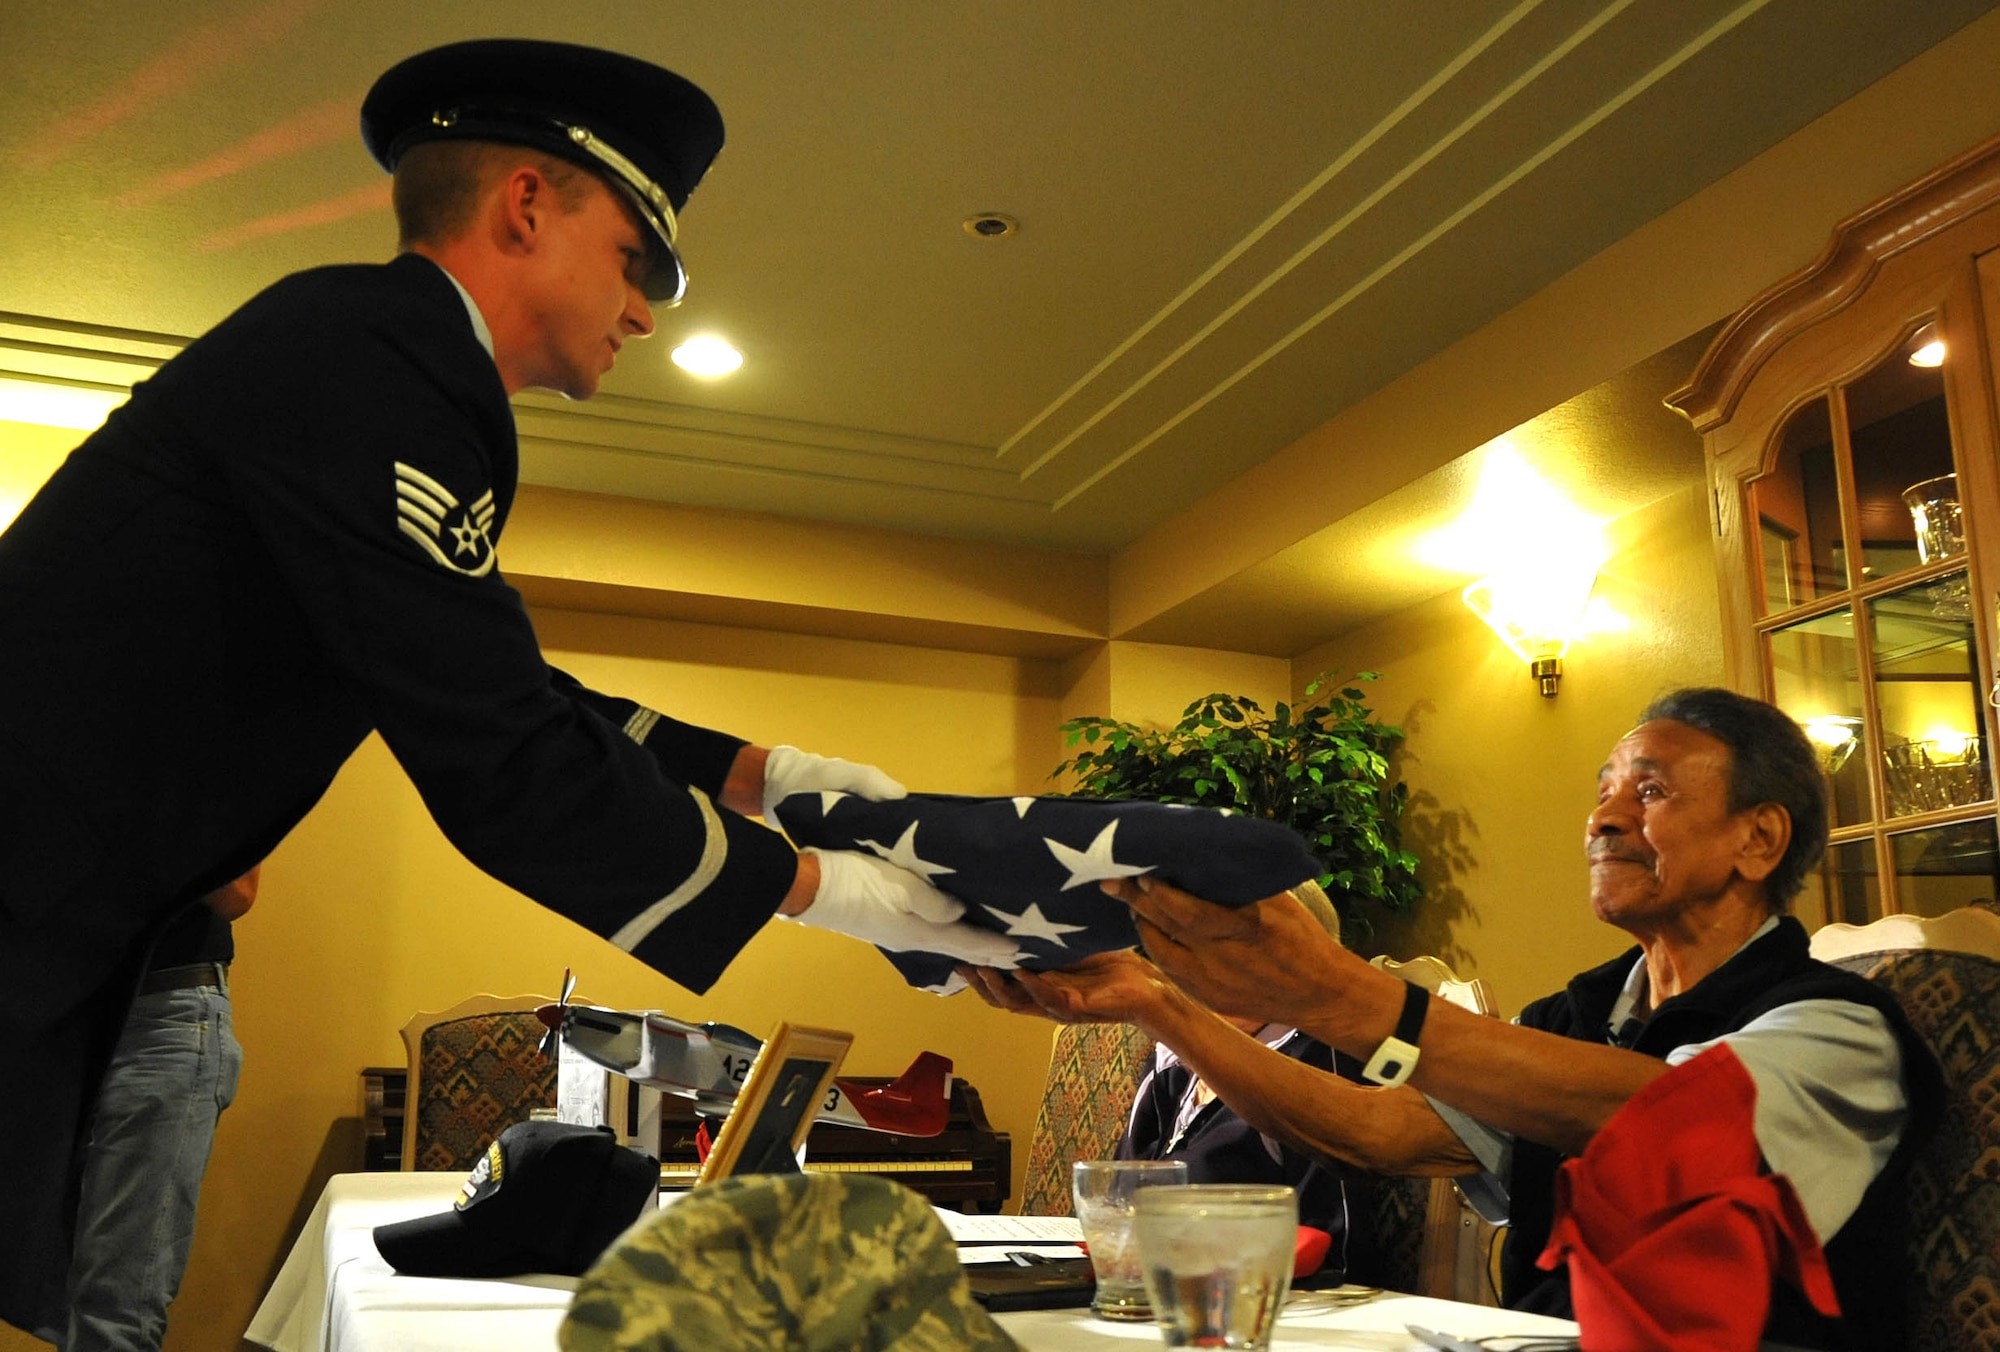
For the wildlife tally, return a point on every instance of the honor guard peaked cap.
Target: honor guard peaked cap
(642, 128)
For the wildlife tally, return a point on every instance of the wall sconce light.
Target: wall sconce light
(1536, 611)
(1927, 347)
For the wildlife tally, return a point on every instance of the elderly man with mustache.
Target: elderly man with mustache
(1709, 815)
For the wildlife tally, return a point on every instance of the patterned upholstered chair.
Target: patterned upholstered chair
(475, 1070)
(1946, 975)
(1428, 1240)
(1094, 1074)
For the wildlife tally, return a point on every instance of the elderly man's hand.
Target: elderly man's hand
(1270, 961)
(1119, 987)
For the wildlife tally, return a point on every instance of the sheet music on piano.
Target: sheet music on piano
(1011, 1229)
(997, 1239)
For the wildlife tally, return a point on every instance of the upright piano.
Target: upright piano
(968, 1167)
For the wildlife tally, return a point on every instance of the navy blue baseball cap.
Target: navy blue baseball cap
(643, 129)
(545, 1197)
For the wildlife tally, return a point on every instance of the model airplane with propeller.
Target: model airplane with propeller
(708, 1063)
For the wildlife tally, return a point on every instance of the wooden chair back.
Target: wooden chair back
(474, 1070)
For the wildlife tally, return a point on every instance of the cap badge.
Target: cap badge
(489, 1169)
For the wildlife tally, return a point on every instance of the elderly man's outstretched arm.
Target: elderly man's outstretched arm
(1273, 961)
(1385, 1130)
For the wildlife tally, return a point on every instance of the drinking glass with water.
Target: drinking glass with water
(1217, 1259)
(1105, 1191)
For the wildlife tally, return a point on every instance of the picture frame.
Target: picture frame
(788, 1086)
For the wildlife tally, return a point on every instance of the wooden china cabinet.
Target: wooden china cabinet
(1849, 416)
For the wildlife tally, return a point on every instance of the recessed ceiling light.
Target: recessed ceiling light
(990, 225)
(707, 356)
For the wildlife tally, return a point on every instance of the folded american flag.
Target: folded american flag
(1029, 867)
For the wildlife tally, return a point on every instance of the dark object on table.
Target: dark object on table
(1049, 1284)
(545, 1197)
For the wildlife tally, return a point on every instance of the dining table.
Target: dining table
(335, 1293)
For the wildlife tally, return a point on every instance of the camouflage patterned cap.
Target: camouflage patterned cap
(821, 1262)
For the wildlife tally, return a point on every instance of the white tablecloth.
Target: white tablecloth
(335, 1294)
(1306, 1324)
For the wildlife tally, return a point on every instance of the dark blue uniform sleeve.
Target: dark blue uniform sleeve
(694, 755)
(381, 504)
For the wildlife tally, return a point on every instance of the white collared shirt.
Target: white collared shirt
(479, 328)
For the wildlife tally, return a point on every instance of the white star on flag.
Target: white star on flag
(1095, 864)
(1032, 924)
(827, 798)
(904, 855)
(1021, 806)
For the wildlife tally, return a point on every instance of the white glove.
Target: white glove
(789, 770)
(893, 908)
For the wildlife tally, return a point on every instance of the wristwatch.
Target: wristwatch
(1397, 1056)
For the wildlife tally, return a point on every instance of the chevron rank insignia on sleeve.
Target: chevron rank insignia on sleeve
(457, 537)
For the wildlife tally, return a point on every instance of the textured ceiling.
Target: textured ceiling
(1236, 220)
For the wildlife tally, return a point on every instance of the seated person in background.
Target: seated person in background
(1177, 1115)
(1709, 815)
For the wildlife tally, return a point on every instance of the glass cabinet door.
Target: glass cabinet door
(1946, 867)
(1815, 677)
(1869, 638)
(1798, 515)
(1928, 692)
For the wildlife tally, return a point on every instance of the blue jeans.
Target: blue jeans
(172, 1075)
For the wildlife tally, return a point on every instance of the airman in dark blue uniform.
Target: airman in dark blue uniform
(289, 539)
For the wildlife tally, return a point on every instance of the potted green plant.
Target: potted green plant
(1322, 770)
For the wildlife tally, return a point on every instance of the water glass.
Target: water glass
(1104, 1194)
(1217, 1260)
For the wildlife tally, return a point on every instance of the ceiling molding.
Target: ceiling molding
(1091, 460)
(86, 356)
(1289, 208)
(682, 434)
(821, 621)
(1692, 266)
(1239, 226)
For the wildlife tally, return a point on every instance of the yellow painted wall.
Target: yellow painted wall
(29, 454)
(1501, 779)
(561, 537)
(1151, 683)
